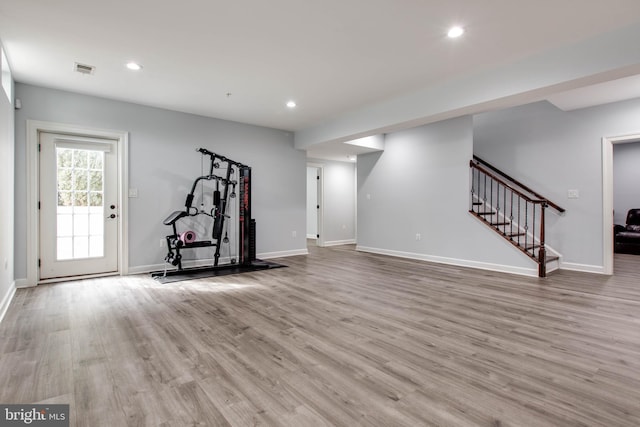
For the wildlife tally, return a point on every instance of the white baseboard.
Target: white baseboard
(312, 236)
(24, 283)
(282, 254)
(142, 269)
(6, 300)
(531, 272)
(585, 268)
(340, 242)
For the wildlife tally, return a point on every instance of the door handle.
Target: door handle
(112, 216)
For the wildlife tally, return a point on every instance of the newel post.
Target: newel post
(542, 253)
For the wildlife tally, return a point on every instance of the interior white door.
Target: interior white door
(312, 202)
(78, 206)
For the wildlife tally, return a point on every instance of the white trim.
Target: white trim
(607, 198)
(585, 268)
(34, 128)
(311, 236)
(355, 197)
(144, 269)
(531, 272)
(6, 301)
(283, 254)
(607, 205)
(340, 242)
(23, 283)
(123, 169)
(72, 278)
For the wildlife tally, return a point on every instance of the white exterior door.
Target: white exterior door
(78, 206)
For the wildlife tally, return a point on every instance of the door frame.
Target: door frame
(607, 195)
(34, 128)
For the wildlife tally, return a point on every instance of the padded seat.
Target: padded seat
(171, 219)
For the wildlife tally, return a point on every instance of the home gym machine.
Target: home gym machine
(227, 176)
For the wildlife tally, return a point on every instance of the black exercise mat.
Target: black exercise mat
(202, 272)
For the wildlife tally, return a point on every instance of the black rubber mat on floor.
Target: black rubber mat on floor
(203, 272)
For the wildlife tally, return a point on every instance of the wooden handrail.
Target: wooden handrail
(507, 185)
(515, 181)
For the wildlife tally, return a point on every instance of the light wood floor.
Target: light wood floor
(338, 338)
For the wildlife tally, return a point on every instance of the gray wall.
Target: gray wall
(6, 200)
(553, 151)
(626, 179)
(163, 164)
(339, 194)
(420, 185)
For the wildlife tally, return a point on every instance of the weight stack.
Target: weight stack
(252, 240)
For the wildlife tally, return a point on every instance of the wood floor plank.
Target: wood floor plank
(339, 338)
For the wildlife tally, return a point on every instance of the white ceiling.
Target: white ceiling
(330, 56)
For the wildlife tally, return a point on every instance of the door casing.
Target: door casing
(34, 128)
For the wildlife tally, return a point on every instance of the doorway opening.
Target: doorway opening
(608, 195)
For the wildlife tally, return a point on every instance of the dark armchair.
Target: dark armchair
(627, 238)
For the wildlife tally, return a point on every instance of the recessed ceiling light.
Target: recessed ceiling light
(455, 32)
(291, 104)
(134, 66)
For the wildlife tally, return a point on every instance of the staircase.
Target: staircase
(513, 210)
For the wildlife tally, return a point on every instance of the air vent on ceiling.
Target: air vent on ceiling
(83, 68)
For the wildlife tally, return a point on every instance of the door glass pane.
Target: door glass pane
(80, 247)
(96, 224)
(65, 225)
(80, 211)
(80, 224)
(96, 245)
(65, 248)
